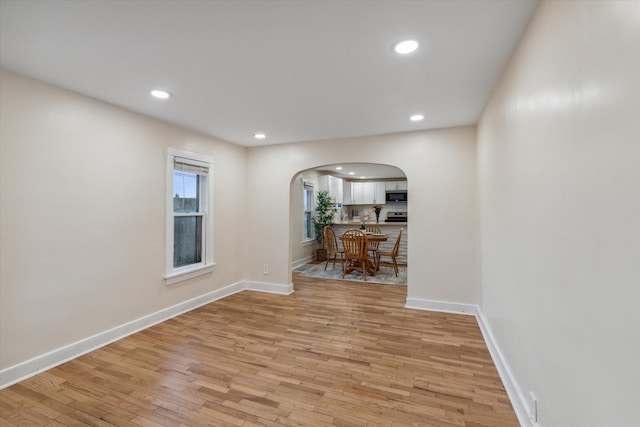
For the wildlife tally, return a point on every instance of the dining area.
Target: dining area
(374, 254)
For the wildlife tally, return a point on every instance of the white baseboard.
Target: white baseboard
(444, 306)
(297, 263)
(38, 364)
(272, 288)
(518, 399)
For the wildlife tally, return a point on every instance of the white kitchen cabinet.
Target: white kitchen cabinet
(364, 193)
(332, 185)
(379, 193)
(335, 189)
(368, 192)
(323, 183)
(357, 193)
(395, 185)
(353, 193)
(347, 196)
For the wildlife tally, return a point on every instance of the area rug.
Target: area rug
(303, 267)
(385, 276)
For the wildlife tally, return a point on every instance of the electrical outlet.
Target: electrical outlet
(532, 404)
(265, 269)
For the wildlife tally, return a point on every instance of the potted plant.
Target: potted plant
(324, 216)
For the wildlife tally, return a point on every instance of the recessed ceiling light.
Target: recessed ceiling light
(405, 47)
(416, 117)
(338, 168)
(160, 94)
(259, 135)
(352, 173)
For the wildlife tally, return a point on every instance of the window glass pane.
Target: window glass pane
(186, 192)
(308, 212)
(308, 226)
(308, 199)
(187, 240)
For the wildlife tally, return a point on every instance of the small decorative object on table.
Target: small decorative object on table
(377, 209)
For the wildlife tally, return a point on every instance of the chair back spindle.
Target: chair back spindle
(393, 254)
(333, 250)
(356, 246)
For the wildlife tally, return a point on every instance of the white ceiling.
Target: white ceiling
(362, 171)
(296, 70)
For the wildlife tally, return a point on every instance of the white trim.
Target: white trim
(302, 261)
(189, 155)
(272, 288)
(186, 214)
(173, 275)
(308, 185)
(38, 364)
(517, 398)
(444, 306)
(188, 274)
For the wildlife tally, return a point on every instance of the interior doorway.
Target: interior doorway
(358, 191)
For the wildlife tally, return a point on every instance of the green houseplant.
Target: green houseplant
(323, 217)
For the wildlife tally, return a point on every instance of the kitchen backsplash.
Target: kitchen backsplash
(348, 212)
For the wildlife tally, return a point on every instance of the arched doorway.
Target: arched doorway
(356, 189)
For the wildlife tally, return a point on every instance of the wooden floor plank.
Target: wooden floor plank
(333, 353)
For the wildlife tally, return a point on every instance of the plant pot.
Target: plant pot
(321, 255)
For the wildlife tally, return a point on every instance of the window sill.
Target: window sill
(308, 242)
(170, 279)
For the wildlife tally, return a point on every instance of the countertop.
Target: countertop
(381, 223)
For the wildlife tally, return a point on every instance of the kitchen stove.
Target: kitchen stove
(396, 217)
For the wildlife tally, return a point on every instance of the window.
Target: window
(189, 247)
(308, 212)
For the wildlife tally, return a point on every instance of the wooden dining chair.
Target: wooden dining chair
(373, 246)
(355, 244)
(333, 249)
(393, 254)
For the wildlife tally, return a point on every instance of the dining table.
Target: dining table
(372, 237)
(377, 237)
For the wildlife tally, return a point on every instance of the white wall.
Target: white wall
(559, 168)
(441, 170)
(82, 213)
(82, 217)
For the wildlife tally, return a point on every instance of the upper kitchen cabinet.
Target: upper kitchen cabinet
(336, 189)
(358, 193)
(364, 193)
(333, 185)
(379, 193)
(395, 185)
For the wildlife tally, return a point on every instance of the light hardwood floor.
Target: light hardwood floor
(333, 353)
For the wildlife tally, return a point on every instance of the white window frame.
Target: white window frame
(305, 186)
(174, 275)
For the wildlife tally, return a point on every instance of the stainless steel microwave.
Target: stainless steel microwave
(397, 196)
